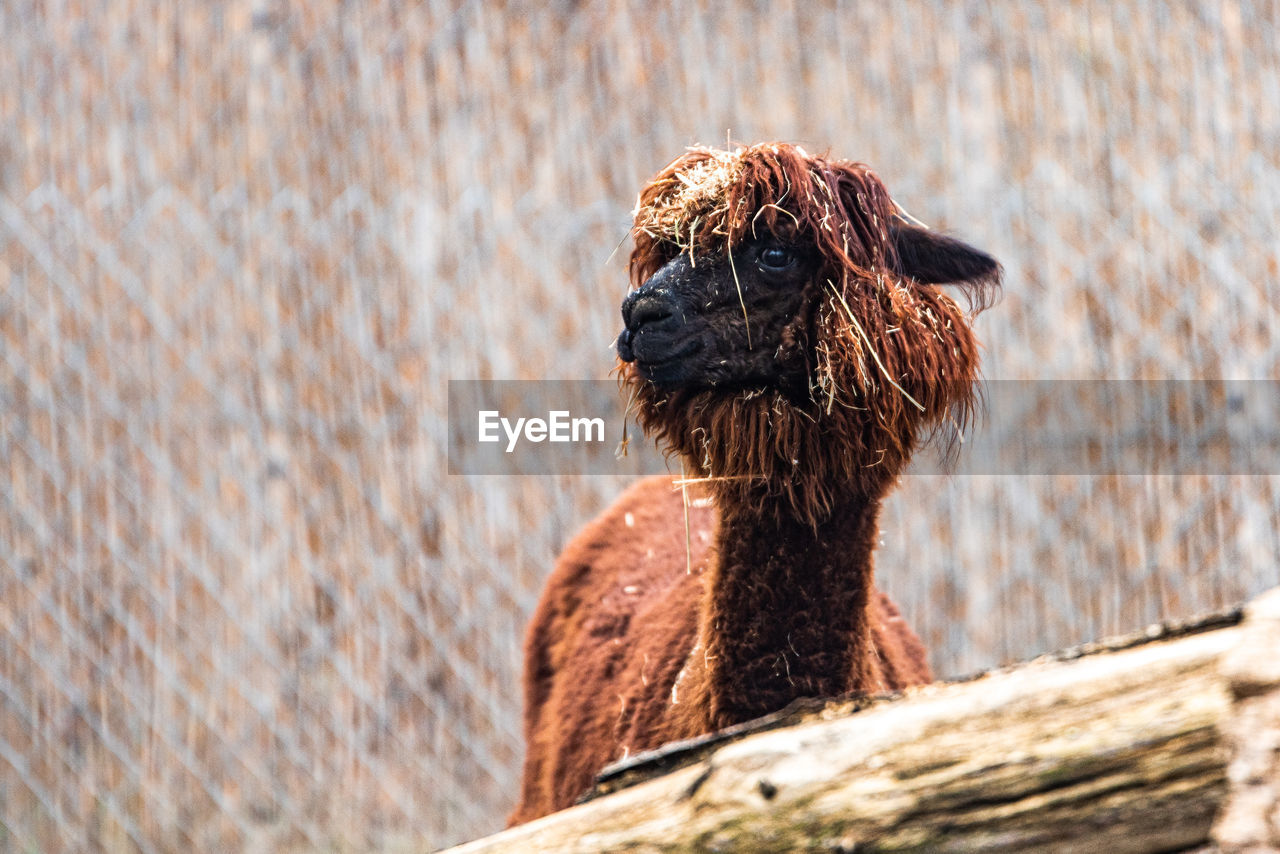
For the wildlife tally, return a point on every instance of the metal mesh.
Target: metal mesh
(244, 246)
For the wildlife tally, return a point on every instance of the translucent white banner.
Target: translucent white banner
(1023, 428)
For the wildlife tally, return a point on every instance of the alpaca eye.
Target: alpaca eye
(776, 258)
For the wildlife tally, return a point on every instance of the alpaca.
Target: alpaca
(785, 339)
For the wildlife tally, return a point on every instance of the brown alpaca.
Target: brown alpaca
(786, 340)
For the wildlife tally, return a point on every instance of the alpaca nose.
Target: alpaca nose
(653, 325)
(647, 309)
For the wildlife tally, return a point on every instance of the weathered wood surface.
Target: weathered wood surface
(1129, 746)
(1250, 818)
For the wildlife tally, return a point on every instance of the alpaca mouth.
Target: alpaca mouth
(668, 371)
(651, 348)
(651, 364)
(649, 358)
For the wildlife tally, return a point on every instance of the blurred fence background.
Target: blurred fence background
(244, 245)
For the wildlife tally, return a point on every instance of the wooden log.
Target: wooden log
(1118, 747)
(1250, 818)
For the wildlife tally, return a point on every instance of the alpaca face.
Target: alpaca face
(740, 320)
(788, 332)
(717, 321)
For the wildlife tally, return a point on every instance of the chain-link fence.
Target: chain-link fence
(244, 245)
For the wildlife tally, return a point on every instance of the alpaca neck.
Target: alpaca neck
(786, 615)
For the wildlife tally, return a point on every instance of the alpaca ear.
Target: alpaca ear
(933, 258)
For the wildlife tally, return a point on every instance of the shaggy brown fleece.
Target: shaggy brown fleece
(653, 629)
(890, 357)
(609, 670)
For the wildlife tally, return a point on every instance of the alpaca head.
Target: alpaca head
(787, 333)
